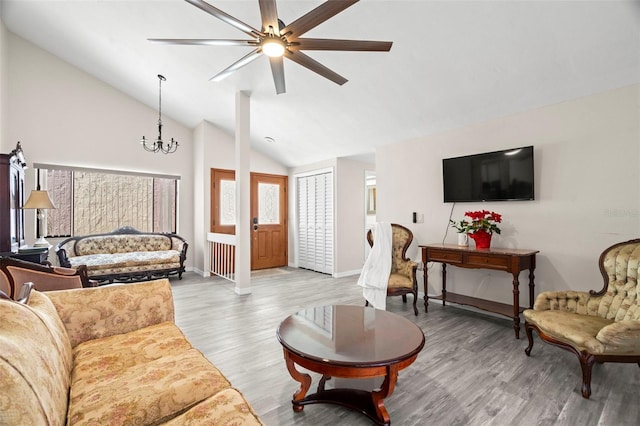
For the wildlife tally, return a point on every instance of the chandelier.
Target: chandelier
(158, 145)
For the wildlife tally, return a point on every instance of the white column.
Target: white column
(201, 185)
(243, 196)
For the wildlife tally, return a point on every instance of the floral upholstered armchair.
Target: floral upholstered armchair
(599, 326)
(402, 280)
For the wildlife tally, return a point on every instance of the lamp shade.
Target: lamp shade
(39, 200)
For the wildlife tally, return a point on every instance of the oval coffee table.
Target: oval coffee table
(353, 342)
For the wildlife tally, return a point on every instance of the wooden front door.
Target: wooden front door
(223, 201)
(269, 233)
(268, 221)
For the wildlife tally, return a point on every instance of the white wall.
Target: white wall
(64, 116)
(350, 216)
(4, 86)
(587, 182)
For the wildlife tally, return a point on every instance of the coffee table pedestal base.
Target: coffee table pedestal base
(355, 399)
(371, 404)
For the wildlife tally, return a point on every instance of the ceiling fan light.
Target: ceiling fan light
(273, 47)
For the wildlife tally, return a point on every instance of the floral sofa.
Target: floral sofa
(125, 254)
(108, 355)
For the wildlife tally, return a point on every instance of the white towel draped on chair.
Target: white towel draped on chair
(377, 268)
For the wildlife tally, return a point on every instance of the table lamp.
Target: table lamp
(39, 200)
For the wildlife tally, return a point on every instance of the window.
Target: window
(91, 201)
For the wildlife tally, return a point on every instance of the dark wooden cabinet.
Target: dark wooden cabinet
(41, 256)
(12, 167)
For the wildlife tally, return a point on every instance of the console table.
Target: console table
(509, 260)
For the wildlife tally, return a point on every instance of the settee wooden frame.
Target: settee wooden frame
(587, 359)
(132, 276)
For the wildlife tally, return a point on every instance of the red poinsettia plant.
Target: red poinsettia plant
(484, 220)
(480, 220)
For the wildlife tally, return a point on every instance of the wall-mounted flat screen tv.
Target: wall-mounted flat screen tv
(492, 176)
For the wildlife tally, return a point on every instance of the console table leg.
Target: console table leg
(425, 284)
(516, 305)
(531, 285)
(444, 283)
(304, 379)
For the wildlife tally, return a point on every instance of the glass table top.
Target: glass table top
(350, 335)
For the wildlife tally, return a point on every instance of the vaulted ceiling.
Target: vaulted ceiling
(452, 63)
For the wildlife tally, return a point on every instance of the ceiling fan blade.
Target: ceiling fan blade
(277, 69)
(269, 14)
(245, 60)
(332, 44)
(315, 66)
(204, 41)
(316, 17)
(214, 11)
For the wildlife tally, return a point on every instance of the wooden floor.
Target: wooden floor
(472, 370)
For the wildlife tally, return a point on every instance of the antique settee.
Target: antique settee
(597, 327)
(125, 254)
(108, 355)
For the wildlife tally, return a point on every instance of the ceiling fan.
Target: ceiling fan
(277, 40)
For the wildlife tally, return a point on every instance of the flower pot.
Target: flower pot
(463, 239)
(482, 239)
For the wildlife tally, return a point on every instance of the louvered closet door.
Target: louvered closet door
(303, 218)
(315, 222)
(324, 223)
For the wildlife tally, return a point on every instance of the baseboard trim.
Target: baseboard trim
(195, 270)
(347, 273)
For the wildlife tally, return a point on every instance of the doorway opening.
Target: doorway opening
(269, 229)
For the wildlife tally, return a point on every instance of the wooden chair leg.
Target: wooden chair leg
(415, 301)
(586, 363)
(404, 298)
(529, 330)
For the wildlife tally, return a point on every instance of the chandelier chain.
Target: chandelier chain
(158, 145)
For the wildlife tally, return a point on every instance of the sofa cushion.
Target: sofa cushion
(400, 281)
(133, 259)
(146, 393)
(93, 313)
(227, 407)
(121, 244)
(35, 360)
(579, 330)
(96, 359)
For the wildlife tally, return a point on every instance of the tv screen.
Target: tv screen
(492, 176)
